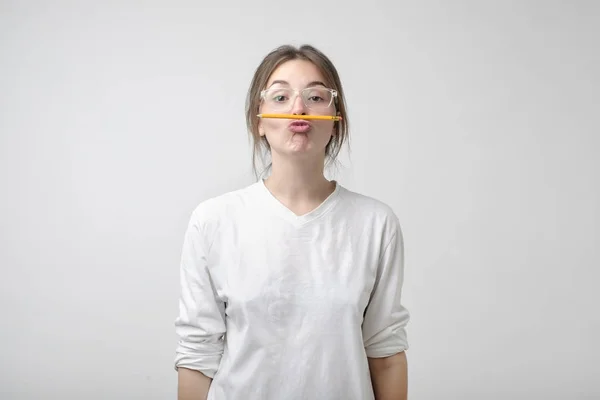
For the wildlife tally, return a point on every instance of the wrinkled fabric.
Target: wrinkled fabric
(279, 306)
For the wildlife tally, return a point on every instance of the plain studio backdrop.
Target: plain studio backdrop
(478, 122)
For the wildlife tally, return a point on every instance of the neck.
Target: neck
(300, 179)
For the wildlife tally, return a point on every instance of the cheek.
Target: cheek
(273, 124)
(329, 128)
(269, 125)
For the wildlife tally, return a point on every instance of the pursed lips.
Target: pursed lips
(299, 126)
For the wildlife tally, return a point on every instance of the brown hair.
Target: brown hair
(273, 60)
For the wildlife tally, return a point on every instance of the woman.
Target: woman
(290, 287)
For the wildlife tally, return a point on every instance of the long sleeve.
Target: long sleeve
(384, 324)
(200, 324)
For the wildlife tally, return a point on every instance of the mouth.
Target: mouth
(299, 126)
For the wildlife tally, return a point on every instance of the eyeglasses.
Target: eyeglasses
(317, 99)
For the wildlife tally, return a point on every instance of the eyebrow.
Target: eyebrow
(313, 83)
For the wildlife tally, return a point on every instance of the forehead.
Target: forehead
(298, 73)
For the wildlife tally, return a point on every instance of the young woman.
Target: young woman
(291, 287)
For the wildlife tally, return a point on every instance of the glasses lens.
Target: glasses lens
(278, 99)
(318, 99)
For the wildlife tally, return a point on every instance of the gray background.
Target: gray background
(477, 122)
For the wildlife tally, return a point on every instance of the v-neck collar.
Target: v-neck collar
(298, 220)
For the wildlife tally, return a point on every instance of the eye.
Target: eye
(317, 95)
(278, 95)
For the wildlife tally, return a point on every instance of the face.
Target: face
(293, 137)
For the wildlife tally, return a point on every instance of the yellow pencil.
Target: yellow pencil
(305, 117)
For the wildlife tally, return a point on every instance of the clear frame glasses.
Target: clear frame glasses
(318, 99)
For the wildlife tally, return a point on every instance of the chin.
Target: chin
(299, 151)
(308, 151)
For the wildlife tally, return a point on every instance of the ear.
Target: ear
(261, 130)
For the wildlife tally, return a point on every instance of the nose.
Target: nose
(298, 106)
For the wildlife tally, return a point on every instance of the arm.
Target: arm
(192, 385)
(385, 321)
(389, 376)
(200, 324)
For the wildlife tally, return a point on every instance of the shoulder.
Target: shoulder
(372, 211)
(211, 211)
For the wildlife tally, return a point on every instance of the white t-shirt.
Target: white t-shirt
(284, 307)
